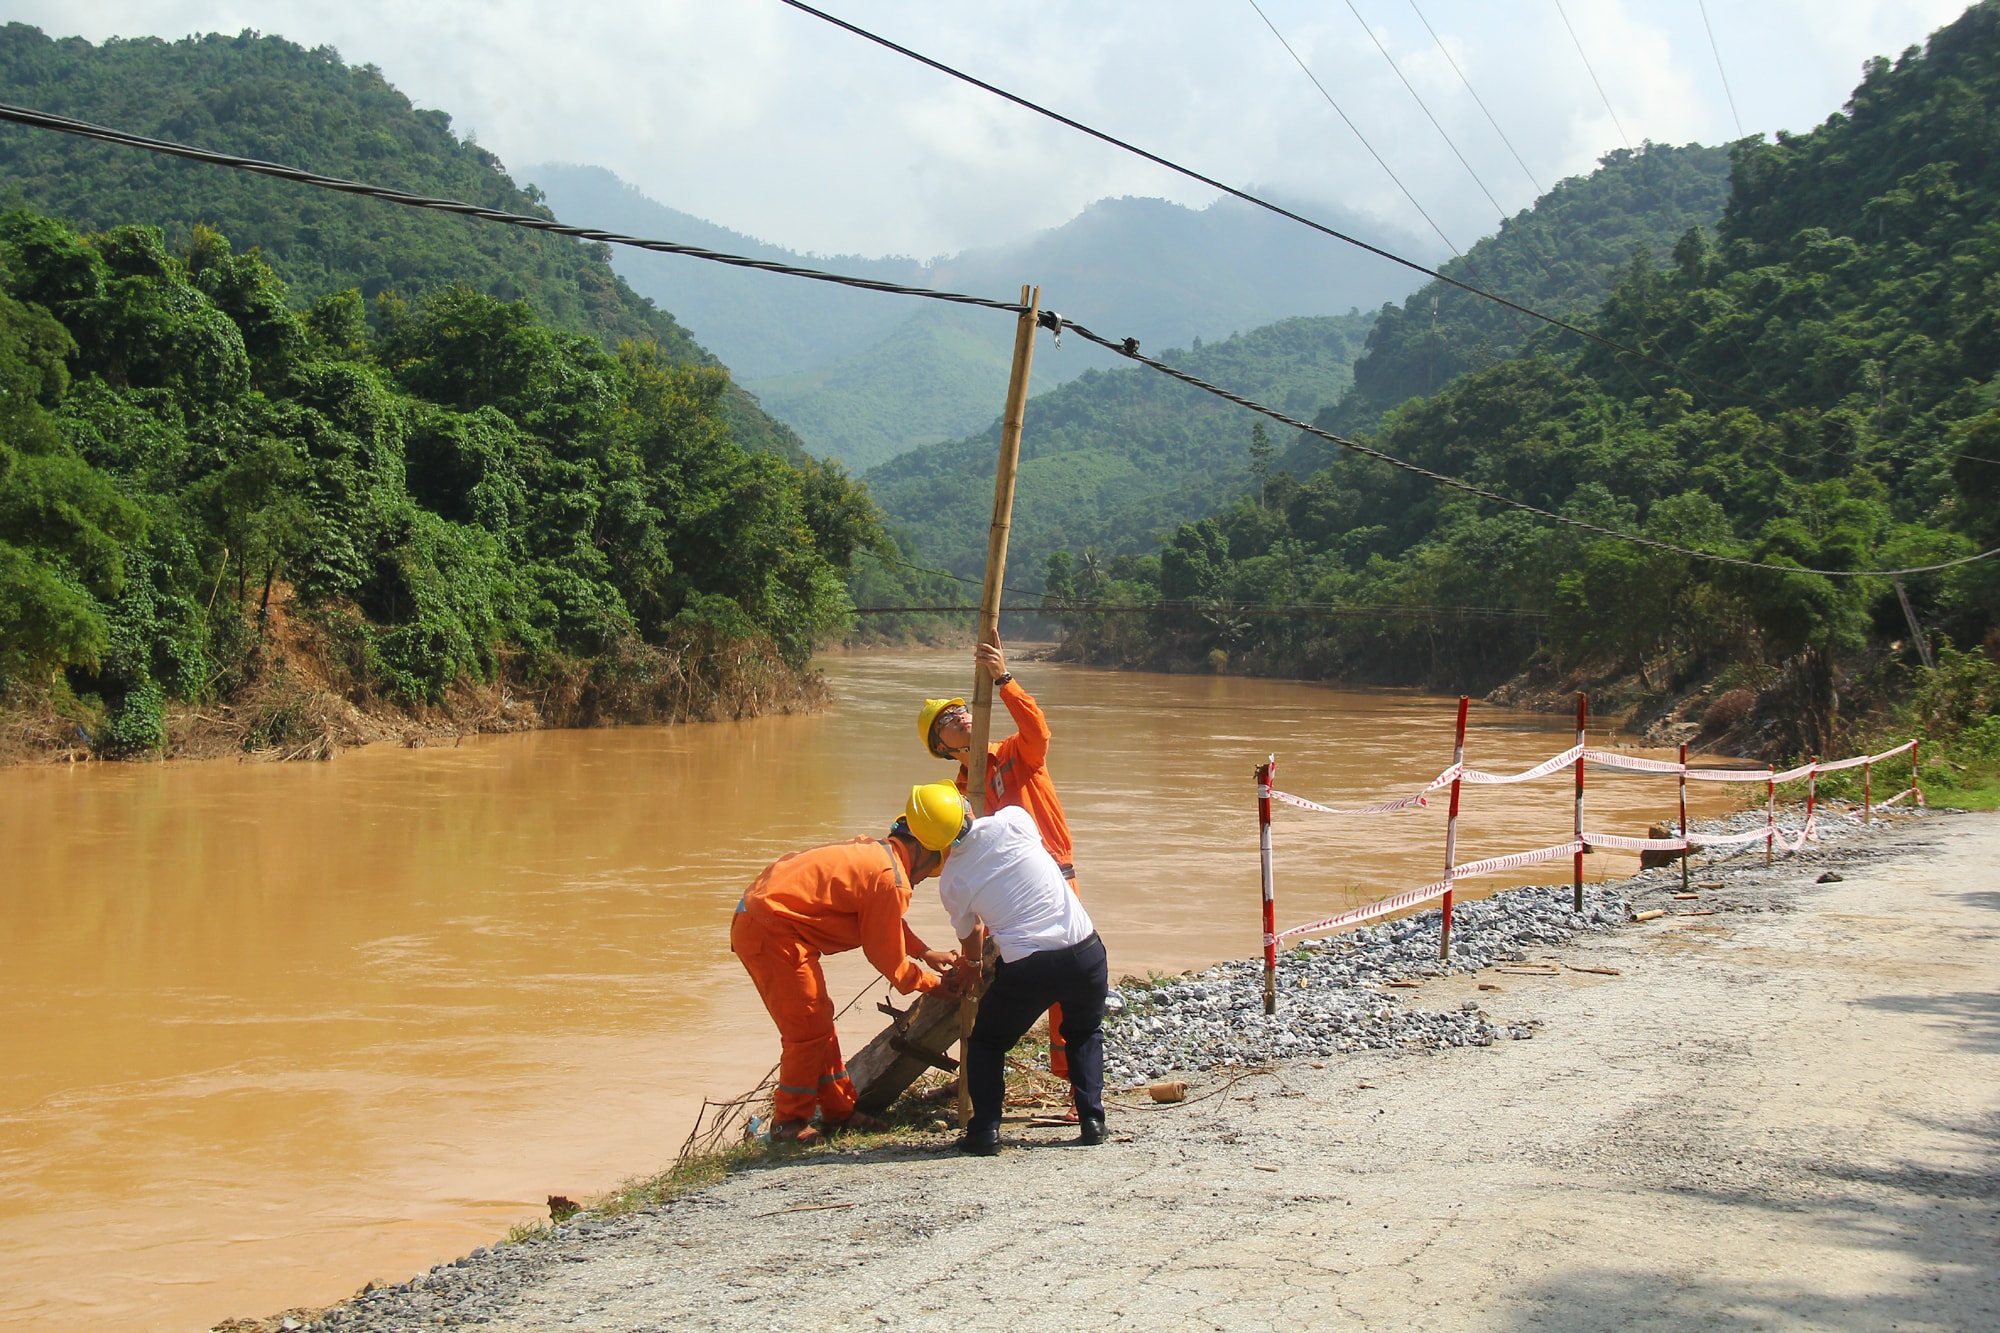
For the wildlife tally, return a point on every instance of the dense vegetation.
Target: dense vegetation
(453, 493)
(1560, 257)
(1833, 401)
(270, 98)
(1116, 457)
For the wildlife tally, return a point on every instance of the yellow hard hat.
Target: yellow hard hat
(936, 814)
(927, 717)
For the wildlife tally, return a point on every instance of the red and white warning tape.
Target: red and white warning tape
(1456, 772)
(1402, 902)
(1604, 758)
(1541, 770)
(1413, 897)
(1403, 803)
(1636, 764)
(1619, 842)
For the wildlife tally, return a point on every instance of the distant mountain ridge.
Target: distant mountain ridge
(864, 377)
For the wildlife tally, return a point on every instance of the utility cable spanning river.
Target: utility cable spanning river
(271, 1031)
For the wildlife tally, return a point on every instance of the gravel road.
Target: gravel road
(1778, 1107)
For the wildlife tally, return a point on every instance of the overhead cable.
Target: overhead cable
(1049, 319)
(1131, 352)
(1445, 51)
(1593, 76)
(1387, 170)
(1257, 201)
(43, 120)
(1245, 610)
(1709, 28)
(1423, 107)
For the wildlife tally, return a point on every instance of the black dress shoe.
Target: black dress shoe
(980, 1140)
(1090, 1130)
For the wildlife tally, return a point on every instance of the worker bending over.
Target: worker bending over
(998, 877)
(829, 900)
(1017, 774)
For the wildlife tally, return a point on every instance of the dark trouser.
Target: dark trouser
(1074, 978)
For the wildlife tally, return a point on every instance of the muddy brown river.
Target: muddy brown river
(269, 1031)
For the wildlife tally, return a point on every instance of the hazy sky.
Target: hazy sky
(754, 115)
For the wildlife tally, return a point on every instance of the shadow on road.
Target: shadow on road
(1941, 1223)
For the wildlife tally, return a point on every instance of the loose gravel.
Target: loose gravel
(1331, 996)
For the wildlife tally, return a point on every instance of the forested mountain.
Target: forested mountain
(1130, 455)
(1561, 257)
(1824, 391)
(461, 494)
(270, 98)
(865, 377)
(1115, 457)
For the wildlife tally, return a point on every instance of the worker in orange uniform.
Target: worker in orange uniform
(1017, 773)
(828, 900)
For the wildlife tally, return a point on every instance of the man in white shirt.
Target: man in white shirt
(998, 875)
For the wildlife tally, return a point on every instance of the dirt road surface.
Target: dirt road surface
(1785, 1116)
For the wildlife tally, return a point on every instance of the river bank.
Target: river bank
(1774, 1105)
(311, 689)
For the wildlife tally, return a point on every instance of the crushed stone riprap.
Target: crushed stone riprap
(1328, 990)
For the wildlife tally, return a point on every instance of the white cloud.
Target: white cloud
(764, 119)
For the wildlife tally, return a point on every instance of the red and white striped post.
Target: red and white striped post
(1686, 850)
(1812, 797)
(1582, 714)
(1916, 784)
(1451, 834)
(1265, 773)
(1770, 815)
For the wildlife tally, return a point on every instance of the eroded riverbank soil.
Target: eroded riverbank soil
(1776, 1107)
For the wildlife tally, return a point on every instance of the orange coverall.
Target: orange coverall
(1017, 773)
(826, 900)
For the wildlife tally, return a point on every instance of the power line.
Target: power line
(1131, 352)
(43, 120)
(1593, 77)
(1386, 168)
(1710, 30)
(1265, 204)
(1049, 319)
(1422, 107)
(1446, 52)
(1247, 610)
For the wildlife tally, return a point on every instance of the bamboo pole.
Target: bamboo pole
(989, 614)
(1451, 835)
